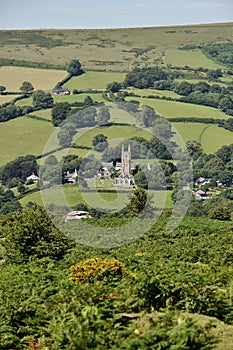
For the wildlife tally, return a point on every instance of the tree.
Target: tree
(183, 88)
(139, 201)
(26, 87)
(88, 101)
(31, 235)
(225, 104)
(74, 67)
(60, 112)
(65, 136)
(103, 116)
(114, 87)
(2, 89)
(221, 212)
(41, 99)
(140, 179)
(194, 148)
(100, 142)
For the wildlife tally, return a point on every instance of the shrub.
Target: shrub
(98, 269)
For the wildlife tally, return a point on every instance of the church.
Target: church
(124, 167)
(126, 178)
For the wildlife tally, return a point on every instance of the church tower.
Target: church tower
(125, 162)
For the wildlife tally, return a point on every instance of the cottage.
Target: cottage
(33, 178)
(201, 181)
(61, 91)
(201, 194)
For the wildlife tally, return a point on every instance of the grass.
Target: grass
(23, 136)
(194, 59)
(94, 80)
(146, 92)
(78, 98)
(13, 77)
(114, 134)
(43, 113)
(211, 137)
(110, 49)
(7, 98)
(103, 200)
(173, 109)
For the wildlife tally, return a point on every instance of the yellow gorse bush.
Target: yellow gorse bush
(97, 268)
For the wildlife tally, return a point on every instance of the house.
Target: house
(201, 194)
(61, 91)
(201, 181)
(33, 178)
(71, 177)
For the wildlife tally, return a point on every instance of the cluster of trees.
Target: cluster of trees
(199, 93)
(19, 169)
(222, 52)
(8, 201)
(218, 166)
(10, 112)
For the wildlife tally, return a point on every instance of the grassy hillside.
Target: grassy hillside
(109, 49)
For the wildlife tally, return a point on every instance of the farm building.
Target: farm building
(61, 91)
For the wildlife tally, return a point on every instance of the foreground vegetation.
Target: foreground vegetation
(146, 294)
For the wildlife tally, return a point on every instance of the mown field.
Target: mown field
(7, 98)
(13, 77)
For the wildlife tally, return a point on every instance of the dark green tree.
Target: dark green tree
(41, 99)
(26, 87)
(31, 235)
(74, 67)
(60, 112)
(100, 142)
(114, 86)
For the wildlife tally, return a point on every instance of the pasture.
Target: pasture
(13, 77)
(103, 200)
(211, 136)
(193, 59)
(147, 92)
(23, 136)
(114, 134)
(43, 113)
(97, 97)
(94, 80)
(174, 109)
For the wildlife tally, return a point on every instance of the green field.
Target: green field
(103, 200)
(194, 59)
(23, 136)
(146, 92)
(211, 137)
(173, 109)
(13, 77)
(97, 97)
(114, 133)
(94, 80)
(43, 113)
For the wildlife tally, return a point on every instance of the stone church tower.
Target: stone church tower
(125, 162)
